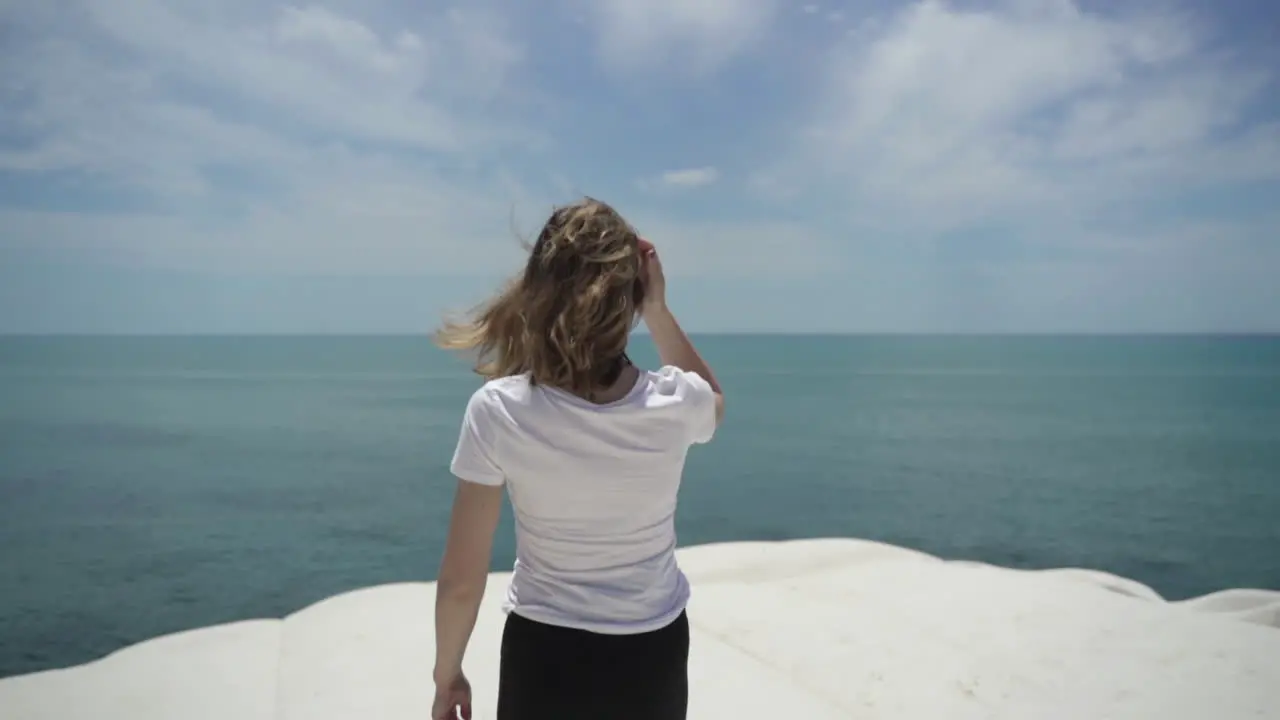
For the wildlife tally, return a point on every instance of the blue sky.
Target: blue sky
(344, 166)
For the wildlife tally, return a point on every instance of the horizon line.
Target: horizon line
(733, 333)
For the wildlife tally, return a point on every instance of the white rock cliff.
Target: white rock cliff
(802, 629)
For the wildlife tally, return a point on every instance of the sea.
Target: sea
(155, 484)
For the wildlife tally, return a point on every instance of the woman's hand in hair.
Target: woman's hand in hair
(655, 283)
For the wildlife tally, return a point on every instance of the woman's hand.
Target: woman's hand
(655, 283)
(453, 699)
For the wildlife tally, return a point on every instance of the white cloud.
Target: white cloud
(314, 138)
(690, 177)
(946, 116)
(720, 249)
(324, 71)
(699, 37)
(379, 218)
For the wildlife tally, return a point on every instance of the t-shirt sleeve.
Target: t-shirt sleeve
(696, 399)
(474, 459)
(702, 407)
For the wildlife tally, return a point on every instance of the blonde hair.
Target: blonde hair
(566, 319)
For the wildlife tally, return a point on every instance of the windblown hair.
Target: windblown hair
(566, 319)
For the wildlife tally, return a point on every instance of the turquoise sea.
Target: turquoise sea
(149, 485)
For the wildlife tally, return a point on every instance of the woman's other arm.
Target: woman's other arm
(463, 573)
(674, 346)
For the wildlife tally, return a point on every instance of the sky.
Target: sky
(185, 166)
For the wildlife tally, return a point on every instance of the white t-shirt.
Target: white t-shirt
(594, 489)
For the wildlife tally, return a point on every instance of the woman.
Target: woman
(590, 449)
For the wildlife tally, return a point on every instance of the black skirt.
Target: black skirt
(557, 673)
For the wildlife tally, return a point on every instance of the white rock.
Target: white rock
(809, 629)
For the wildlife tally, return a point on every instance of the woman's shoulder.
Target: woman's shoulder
(497, 392)
(500, 391)
(506, 385)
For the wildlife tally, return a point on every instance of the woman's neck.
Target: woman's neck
(622, 381)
